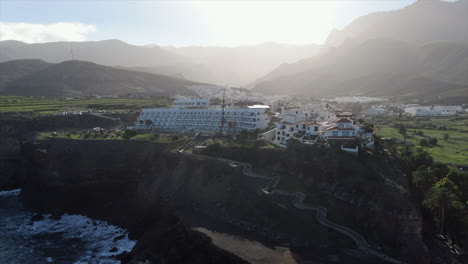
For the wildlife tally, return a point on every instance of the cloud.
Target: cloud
(37, 33)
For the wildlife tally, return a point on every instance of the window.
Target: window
(345, 133)
(335, 133)
(315, 128)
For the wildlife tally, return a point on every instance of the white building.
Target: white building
(343, 130)
(441, 110)
(199, 116)
(294, 115)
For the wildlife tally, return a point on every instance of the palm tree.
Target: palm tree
(443, 195)
(148, 123)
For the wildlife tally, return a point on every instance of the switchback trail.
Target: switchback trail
(298, 202)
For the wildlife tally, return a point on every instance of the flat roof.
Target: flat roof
(258, 106)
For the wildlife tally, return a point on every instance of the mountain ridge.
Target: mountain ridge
(81, 78)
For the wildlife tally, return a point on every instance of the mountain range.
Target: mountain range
(81, 78)
(420, 51)
(406, 53)
(234, 66)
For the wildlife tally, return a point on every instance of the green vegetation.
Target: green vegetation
(441, 190)
(43, 105)
(444, 138)
(83, 134)
(113, 134)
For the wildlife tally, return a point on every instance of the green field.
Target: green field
(85, 134)
(42, 105)
(454, 150)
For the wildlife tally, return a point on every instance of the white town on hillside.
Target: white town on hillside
(232, 110)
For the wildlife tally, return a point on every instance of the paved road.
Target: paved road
(298, 202)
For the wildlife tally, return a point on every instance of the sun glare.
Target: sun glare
(280, 21)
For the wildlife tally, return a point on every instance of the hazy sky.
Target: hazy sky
(183, 23)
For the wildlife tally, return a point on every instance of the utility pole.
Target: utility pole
(71, 52)
(222, 113)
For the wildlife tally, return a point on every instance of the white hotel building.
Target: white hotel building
(199, 116)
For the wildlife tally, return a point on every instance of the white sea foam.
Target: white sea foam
(97, 236)
(15, 192)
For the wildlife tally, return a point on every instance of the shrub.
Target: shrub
(127, 134)
(433, 141)
(424, 143)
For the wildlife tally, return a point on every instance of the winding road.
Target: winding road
(298, 202)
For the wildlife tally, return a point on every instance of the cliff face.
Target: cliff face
(366, 193)
(128, 183)
(11, 160)
(15, 130)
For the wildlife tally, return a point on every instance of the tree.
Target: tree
(402, 130)
(446, 136)
(443, 195)
(127, 134)
(148, 122)
(423, 179)
(419, 158)
(423, 143)
(433, 141)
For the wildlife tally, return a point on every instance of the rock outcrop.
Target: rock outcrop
(127, 183)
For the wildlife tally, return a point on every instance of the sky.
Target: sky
(183, 23)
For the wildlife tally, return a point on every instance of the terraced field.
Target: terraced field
(44, 105)
(451, 134)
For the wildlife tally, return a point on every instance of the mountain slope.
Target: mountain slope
(422, 22)
(106, 52)
(375, 67)
(17, 69)
(235, 66)
(396, 53)
(79, 78)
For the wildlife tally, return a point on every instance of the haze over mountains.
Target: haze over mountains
(234, 66)
(81, 78)
(421, 50)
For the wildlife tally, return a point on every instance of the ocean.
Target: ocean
(74, 239)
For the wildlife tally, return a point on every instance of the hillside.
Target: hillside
(79, 78)
(235, 66)
(16, 69)
(390, 64)
(106, 52)
(422, 22)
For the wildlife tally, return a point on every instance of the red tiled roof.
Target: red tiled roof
(343, 120)
(287, 123)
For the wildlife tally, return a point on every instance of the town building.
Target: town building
(441, 110)
(198, 115)
(342, 130)
(345, 132)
